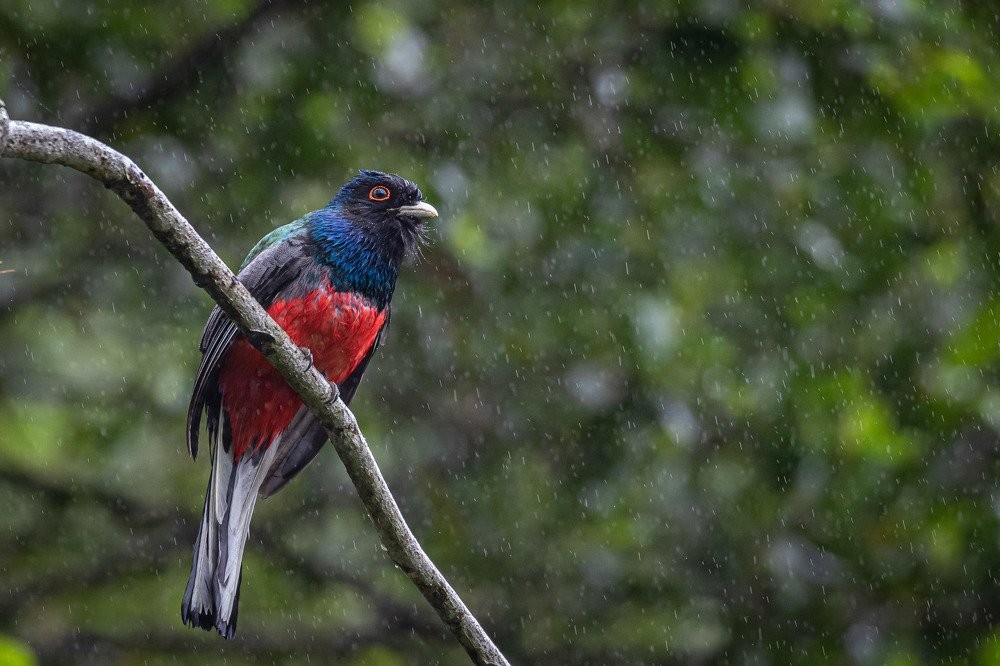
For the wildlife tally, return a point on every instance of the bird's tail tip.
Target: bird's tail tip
(208, 620)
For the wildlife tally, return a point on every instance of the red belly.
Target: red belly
(338, 328)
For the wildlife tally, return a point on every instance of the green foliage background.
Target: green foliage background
(702, 364)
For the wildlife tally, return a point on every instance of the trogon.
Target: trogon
(327, 279)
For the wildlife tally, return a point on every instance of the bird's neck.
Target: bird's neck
(356, 260)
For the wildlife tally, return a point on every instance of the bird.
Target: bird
(327, 279)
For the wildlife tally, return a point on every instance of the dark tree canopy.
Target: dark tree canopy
(702, 363)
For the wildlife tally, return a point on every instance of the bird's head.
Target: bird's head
(387, 207)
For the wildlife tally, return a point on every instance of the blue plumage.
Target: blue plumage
(361, 241)
(355, 260)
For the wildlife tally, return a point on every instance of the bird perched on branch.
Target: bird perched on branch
(327, 279)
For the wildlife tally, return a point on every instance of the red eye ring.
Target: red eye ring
(379, 193)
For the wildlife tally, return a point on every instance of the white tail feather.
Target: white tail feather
(213, 588)
(245, 481)
(199, 602)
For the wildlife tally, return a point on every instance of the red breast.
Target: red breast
(338, 328)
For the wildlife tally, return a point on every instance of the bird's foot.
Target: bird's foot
(309, 356)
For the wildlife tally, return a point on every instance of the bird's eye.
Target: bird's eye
(379, 193)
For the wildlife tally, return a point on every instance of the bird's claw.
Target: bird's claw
(309, 356)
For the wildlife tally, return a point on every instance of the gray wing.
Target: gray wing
(272, 272)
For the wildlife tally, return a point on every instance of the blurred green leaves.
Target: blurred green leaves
(15, 653)
(701, 364)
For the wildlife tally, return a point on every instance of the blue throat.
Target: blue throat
(353, 257)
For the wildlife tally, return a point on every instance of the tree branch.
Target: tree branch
(53, 145)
